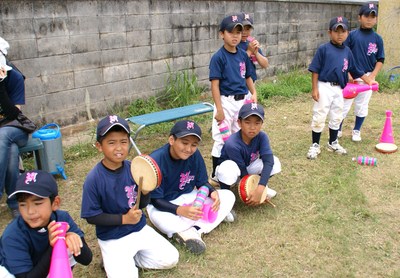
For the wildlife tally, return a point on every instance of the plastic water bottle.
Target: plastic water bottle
(224, 130)
(201, 196)
(366, 160)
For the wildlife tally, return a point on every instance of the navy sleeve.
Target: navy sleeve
(164, 205)
(268, 161)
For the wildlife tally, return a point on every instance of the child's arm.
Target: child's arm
(315, 91)
(368, 79)
(252, 89)
(216, 94)
(255, 196)
(252, 49)
(190, 212)
(378, 67)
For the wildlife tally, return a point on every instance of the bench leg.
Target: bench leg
(37, 160)
(134, 146)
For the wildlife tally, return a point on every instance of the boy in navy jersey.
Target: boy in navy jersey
(252, 46)
(109, 202)
(330, 67)
(184, 172)
(27, 242)
(369, 54)
(248, 152)
(230, 76)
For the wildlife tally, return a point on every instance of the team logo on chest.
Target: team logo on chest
(185, 179)
(254, 156)
(372, 48)
(242, 66)
(131, 194)
(345, 65)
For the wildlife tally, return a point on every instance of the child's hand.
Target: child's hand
(74, 243)
(190, 212)
(53, 232)
(254, 197)
(215, 197)
(219, 116)
(254, 46)
(133, 216)
(315, 94)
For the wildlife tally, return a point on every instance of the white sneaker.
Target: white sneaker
(356, 136)
(336, 148)
(339, 134)
(191, 239)
(271, 193)
(314, 151)
(231, 217)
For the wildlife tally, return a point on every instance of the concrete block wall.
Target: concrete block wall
(82, 58)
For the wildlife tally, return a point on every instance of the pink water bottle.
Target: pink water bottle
(208, 214)
(366, 160)
(224, 130)
(253, 57)
(59, 265)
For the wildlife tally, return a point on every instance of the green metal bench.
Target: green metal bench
(33, 145)
(166, 116)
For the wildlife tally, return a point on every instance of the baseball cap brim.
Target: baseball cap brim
(184, 134)
(247, 23)
(232, 26)
(29, 192)
(111, 126)
(255, 114)
(334, 27)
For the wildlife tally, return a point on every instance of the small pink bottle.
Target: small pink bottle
(224, 130)
(366, 160)
(253, 57)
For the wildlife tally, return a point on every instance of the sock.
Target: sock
(358, 123)
(316, 136)
(332, 135)
(214, 165)
(224, 186)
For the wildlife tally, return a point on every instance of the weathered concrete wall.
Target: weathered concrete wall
(388, 28)
(83, 57)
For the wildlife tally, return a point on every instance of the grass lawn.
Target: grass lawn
(334, 218)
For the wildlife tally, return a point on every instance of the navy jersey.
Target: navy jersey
(332, 63)
(178, 176)
(21, 247)
(367, 48)
(243, 45)
(241, 153)
(15, 85)
(112, 192)
(231, 69)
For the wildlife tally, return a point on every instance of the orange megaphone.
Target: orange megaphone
(352, 89)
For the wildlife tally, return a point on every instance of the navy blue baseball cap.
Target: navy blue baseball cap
(247, 20)
(39, 183)
(249, 109)
(185, 128)
(109, 122)
(368, 9)
(339, 21)
(230, 22)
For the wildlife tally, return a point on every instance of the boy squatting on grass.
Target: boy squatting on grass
(108, 201)
(369, 54)
(183, 173)
(330, 67)
(27, 242)
(230, 76)
(248, 152)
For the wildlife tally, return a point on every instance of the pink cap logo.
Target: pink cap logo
(113, 119)
(190, 125)
(339, 19)
(254, 106)
(30, 177)
(371, 5)
(246, 16)
(234, 18)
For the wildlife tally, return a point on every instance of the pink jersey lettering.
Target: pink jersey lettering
(185, 179)
(372, 48)
(131, 194)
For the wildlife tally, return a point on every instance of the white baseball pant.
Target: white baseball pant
(169, 223)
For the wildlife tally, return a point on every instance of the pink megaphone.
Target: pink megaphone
(59, 265)
(387, 132)
(208, 214)
(352, 89)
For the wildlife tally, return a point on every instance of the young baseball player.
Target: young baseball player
(27, 242)
(330, 67)
(184, 172)
(369, 54)
(248, 152)
(251, 45)
(108, 202)
(230, 76)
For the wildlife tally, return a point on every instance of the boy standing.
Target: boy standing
(26, 243)
(252, 46)
(330, 67)
(184, 172)
(248, 152)
(109, 202)
(369, 54)
(230, 76)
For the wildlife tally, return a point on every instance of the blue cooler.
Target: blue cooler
(51, 156)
